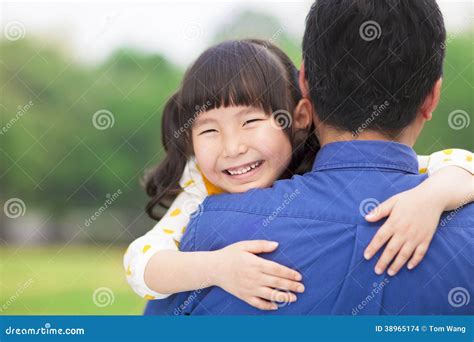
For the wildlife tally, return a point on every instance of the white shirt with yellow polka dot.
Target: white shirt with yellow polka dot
(167, 233)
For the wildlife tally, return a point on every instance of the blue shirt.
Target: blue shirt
(318, 219)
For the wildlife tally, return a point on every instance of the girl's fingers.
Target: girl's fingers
(419, 254)
(276, 296)
(281, 283)
(382, 210)
(257, 246)
(393, 247)
(277, 270)
(381, 237)
(405, 253)
(262, 304)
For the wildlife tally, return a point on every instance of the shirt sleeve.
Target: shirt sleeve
(450, 157)
(166, 234)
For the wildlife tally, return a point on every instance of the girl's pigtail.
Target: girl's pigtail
(162, 182)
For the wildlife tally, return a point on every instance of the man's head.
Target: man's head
(373, 65)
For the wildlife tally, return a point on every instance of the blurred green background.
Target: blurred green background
(63, 168)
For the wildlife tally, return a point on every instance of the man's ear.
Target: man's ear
(303, 114)
(431, 101)
(303, 83)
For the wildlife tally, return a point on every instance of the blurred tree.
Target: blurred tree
(457, 99)
(56, 157)
(249, 24)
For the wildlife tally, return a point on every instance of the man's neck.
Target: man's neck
(328, 135)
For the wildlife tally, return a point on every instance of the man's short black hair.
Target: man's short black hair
(371, 63)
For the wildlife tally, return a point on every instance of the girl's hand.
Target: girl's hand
(257, 281)
(414, 217)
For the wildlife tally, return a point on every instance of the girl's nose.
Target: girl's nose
(233, 147)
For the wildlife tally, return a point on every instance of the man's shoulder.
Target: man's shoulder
(258, 201)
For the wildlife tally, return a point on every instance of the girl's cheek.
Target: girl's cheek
(198, 148)
(206, 155)
(274, 142)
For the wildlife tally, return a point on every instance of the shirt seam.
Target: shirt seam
(366, 165)
(281, 215)
(319, 218)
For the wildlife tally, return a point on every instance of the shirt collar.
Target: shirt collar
(366, 154)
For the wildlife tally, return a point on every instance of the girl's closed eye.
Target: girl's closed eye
(248, 122)
(208, 131)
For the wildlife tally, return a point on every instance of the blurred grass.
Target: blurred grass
(63, 281)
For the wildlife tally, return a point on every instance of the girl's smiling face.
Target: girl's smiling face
(239, 148)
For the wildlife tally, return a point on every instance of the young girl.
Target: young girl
(250, 86)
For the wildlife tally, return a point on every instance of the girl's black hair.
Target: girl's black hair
(247, 72)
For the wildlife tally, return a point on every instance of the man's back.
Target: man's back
(318, 219)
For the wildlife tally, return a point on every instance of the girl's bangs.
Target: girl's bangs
(235, 73)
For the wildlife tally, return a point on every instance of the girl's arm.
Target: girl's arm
(414, 214)
(235, 268)
(165, 236)
(156, 268)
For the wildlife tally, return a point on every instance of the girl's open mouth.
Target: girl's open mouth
(244, 171)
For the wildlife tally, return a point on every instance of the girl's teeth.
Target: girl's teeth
(247, 169)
